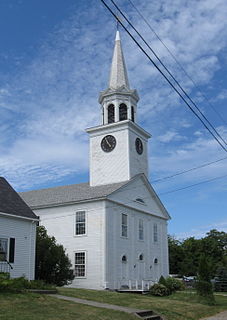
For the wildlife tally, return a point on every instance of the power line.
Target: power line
(141, 48)
(188, 170)
(133, 201)
(170, 74)
(193, 185)
(178, 63)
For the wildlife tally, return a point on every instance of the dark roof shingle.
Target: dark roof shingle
(12, 203)
(68, 194)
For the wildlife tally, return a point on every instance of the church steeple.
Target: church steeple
(118, 73)
(118, 101)
(118, 147)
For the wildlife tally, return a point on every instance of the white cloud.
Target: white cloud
(49, 103)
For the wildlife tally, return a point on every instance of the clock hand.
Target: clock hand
(107, 142)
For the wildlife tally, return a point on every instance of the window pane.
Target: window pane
(141, 229)
(124, 225)
(155, 232)
(3, 249)
(80, 264)
(80, 222)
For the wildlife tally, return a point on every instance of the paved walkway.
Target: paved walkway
(96, 304)
(218, 316)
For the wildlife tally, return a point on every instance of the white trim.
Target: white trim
(127, 225)
(86, 224)
(137, 209)
(8, 244)
(19, 217)
(74, 263)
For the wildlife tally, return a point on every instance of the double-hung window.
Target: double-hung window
(155, 234)
(141, 230)
(80, 264)
(3, 249)
(124, 225)
(80, 227)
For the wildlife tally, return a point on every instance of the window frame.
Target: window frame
(155, 232)
(141, 230)
(124, 226)
(85, 224)
(80, 264)
(7, 248)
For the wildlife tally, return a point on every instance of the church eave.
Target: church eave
(66, 203)
(120, 124)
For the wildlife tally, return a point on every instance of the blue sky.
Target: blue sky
(54, 60)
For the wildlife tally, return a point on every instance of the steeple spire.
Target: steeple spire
(118, 101)
(118, 73)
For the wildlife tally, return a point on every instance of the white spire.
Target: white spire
(118, 73)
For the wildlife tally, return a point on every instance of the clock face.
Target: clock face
(139, 146)
(108, 143)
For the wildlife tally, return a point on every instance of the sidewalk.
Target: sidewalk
(218, 316)
(96, 304)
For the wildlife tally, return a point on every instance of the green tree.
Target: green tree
(203, 285)
(176, 255)
(52, 264)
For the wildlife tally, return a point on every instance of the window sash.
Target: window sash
(124, 225)
(3, 249)
(80, 264)
(80, 223)
(141, 231)
(155, 232)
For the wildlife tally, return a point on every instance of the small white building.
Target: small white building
(17, 234)
(114, 228)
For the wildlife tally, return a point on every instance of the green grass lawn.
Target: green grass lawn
(179, 306)
(29, 306)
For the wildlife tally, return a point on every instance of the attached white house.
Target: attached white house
(114, 227)
(17, 234)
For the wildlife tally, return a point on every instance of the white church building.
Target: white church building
(114, 228)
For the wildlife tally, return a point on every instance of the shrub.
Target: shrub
(14, 285)
(159, 290)
(162, 280)
(174, 284)
(205, 291)
(21, 284)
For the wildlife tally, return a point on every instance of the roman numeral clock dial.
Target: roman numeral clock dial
(108, 143)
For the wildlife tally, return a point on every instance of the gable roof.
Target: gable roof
(11, 203)
(68, 194)
(150, 189)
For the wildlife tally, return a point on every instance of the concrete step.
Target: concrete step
(148, 315)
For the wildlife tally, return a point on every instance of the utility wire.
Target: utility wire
(188, 170)
(170, 74)
(170, 83)
(193, 185)
(132, 201)
(178, 63)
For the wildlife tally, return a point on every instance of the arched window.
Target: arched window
(155, 260)
(141, 257)
(122, 112)
(111, 113)
(133, 115)
(124, 258)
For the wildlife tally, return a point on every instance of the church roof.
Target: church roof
(118, 73)
(11, 203)
(68, 194)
